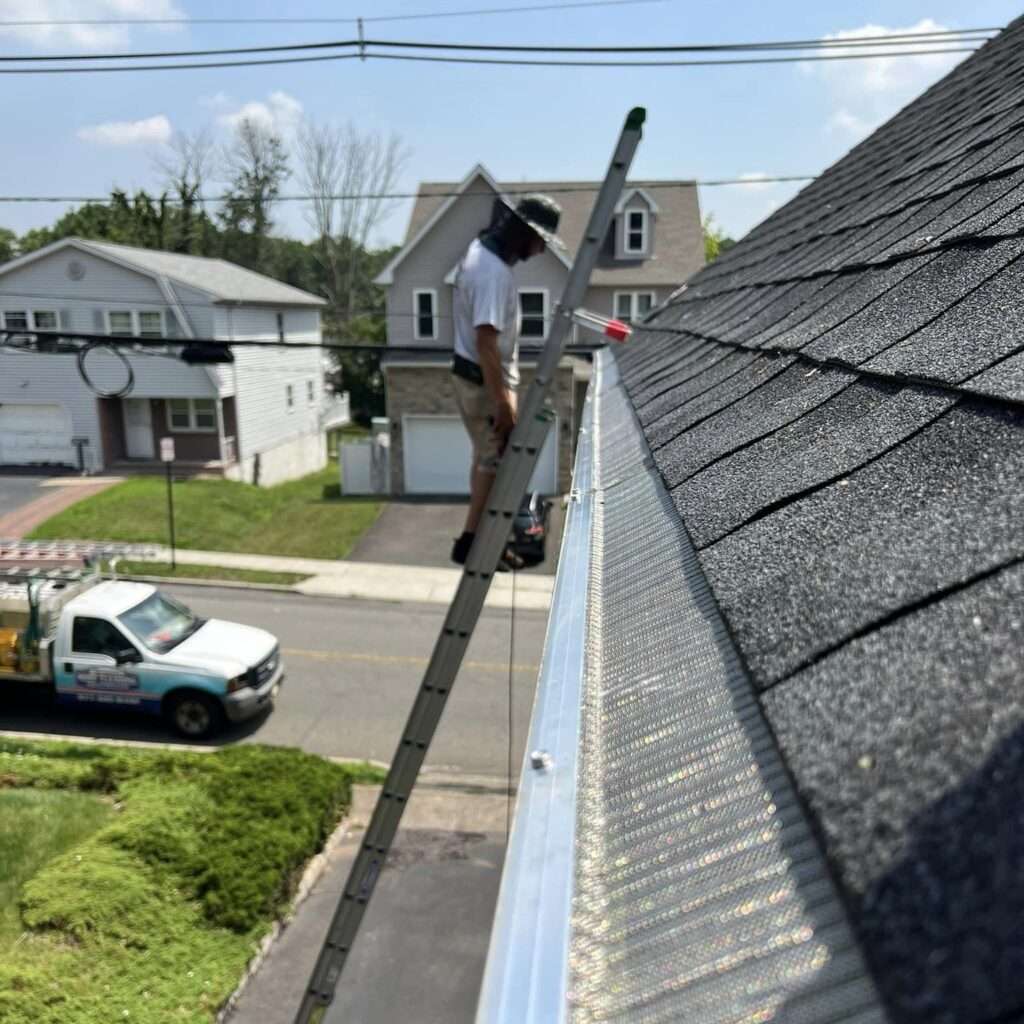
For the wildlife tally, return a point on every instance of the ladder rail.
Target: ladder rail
(511, 483)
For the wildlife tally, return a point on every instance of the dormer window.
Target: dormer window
(636, 214)
(636, 232)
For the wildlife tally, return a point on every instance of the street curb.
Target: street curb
(314, 870)
(274, 588)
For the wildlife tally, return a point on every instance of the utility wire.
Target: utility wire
(191, 66)
(927, 38)
(323, 21)
(431, 194)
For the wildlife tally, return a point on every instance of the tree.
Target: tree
(8, 245)
(187, 169)
(257, 165)
(348, 174)
(716, 241)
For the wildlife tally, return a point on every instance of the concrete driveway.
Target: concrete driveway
(28, 498)
(17, 489)
(420, 532)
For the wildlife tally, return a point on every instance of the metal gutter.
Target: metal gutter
(526, 975)
(663, 868)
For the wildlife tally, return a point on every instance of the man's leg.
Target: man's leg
(480, 483)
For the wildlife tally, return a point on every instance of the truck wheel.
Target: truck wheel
(195, 715)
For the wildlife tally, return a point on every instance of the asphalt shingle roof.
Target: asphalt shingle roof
(227, 282)
(836, 407)
(678, 237)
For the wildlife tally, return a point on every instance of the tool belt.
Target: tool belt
(467, 370)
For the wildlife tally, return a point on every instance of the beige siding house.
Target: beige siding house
(655, 242)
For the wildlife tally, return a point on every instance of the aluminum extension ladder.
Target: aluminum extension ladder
(510, 486)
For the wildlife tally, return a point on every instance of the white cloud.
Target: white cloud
(216, 101)
(128, 133)
(280, 113)
(82, 36)
(754, 181)
(866, 92)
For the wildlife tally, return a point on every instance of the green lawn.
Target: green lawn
(36, 825)
(208, 572)
(180, 864)
(303, 518)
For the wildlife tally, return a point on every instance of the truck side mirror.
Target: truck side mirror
(129, 656)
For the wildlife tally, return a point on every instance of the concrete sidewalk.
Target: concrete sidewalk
(375, 581)
(422, 946)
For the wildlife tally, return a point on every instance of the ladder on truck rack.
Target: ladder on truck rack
(510, 485)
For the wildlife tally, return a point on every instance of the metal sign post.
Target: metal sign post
(167, 458)
(517, 465)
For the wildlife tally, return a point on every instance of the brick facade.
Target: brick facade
(427, 390)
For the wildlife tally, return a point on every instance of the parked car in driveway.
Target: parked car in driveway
(530, 528)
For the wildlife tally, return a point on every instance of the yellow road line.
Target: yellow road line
(396, 659)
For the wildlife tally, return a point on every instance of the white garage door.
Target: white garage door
(436, 455)
(34, 434)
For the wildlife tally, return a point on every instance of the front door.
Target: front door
(138, 428)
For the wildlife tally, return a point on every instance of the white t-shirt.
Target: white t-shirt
(485, 293)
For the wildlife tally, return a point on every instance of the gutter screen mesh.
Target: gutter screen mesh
(701, 894)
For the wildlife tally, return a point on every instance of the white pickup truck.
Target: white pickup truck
(122, 644)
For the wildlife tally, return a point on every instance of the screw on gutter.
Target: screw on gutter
(541, 761)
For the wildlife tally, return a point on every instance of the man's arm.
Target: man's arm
(494, 381)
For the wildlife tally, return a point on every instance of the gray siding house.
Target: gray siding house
(654, 243)
(260, 419)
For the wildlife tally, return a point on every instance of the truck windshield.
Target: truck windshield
(160, 622)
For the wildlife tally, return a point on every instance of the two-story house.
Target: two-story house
(261, 418)
(655, 242)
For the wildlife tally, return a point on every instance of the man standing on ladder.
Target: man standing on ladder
(485, 370)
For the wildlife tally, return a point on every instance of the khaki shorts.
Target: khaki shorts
(478, 414)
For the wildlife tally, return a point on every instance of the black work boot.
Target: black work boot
(460, 549)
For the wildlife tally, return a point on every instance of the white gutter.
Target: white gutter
(526, 976)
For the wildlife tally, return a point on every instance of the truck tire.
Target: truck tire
(195, 715)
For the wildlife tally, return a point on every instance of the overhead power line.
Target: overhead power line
(427, 15)
(946, 37)
(346, 196)
(794, 59)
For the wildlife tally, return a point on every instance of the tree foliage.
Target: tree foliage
(716, 241)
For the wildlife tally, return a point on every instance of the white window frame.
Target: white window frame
(627, 231)
(193, 425)
(634, 302)
(55, 313)
(4, 314)
(416, 293)
(136, 328)
(543, 292)
(289, 397)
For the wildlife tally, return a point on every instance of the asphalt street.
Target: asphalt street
(352, 671)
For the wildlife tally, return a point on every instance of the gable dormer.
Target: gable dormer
(635, 216)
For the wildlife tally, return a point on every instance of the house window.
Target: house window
(280, 326)
(636, 231)
(192, 415)
(310, 392)
(633, 306)
(151, 325)
(129, 323)
(425, 310)
(533, 312)
(119, 322)
(15, 321)
(45, 320)
(289, 396)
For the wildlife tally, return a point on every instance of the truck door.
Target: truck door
(103, 667)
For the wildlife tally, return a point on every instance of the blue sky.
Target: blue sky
(83, 134)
